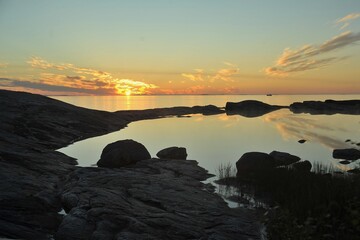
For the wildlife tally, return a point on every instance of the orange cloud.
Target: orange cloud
(223, 74)
(90, 80)
(197, 76)
(309, 56)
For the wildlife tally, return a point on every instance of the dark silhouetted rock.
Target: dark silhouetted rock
(250, 108)
(122, 153)
(303, 166)
(283, 158)
(302, 141)
(327, 107)
(347, 154)
(348, 140)
(345, 162)
(173, 153)
(254, 162)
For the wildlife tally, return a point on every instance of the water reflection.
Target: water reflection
(212, 140)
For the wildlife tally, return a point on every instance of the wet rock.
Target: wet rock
(303, 166)
(254, 162)
(122, 153)
(302, 141)
(327, 107)
(347, 154)
(250, 108)
(172, 153)
(283, 158)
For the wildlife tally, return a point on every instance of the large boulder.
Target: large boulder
(122, 153)
(250, 108)
(172, 153)
(348, 154)
(283, 158)
(254, 162)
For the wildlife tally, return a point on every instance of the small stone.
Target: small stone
(302, 141)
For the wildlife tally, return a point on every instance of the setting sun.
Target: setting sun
(127, 92)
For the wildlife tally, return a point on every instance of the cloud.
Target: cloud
(16, 83)
(345, 21)
(310, 56)
(224, 74)
(84, 80)
(197, 76)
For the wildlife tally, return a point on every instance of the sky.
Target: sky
(136, 47)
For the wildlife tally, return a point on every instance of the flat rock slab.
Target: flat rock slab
(153, 199)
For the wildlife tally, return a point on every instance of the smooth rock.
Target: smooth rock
(347, 154)
(254, 162)
(283, 158)
(173, 153)
(302, 141)
(122, 153)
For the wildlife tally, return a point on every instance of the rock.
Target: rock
(122, 153)
(283, 158)
(172, 153)
(254, 162)
(35, 179)
(347, 154)
(303, 166)
(250, 108)
(152, 199)
(302, 141)
(345, 162)
(327, 107)
(348, 140)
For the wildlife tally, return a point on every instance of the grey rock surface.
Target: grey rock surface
(152, 199)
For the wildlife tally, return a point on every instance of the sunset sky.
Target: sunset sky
(180, 47)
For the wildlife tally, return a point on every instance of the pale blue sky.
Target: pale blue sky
(156, 41)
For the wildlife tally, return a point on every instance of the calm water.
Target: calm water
(212, 140)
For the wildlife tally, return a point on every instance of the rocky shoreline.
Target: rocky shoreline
(154, 199)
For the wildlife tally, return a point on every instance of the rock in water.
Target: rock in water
(122, 153)
(173, 153)
(303, 166)
(348, 154)
(254, 162)
(283, 158)
(250, 108)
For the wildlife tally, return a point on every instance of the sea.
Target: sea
(223, 139)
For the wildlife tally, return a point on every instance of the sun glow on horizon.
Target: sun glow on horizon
(127, 92)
